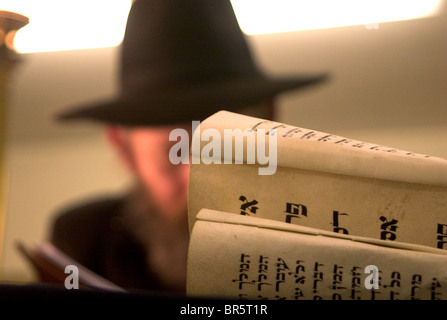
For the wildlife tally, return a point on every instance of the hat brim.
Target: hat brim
(174, 105)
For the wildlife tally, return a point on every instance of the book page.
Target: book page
(313, 150)
(87, 277)
(241, 257)
(325, 182)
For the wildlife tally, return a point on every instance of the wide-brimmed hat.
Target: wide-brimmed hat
(184, 60)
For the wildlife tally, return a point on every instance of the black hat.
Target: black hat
(184, 60)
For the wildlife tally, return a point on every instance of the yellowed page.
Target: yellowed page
(313, 150)
(351, 187)
(240, 257)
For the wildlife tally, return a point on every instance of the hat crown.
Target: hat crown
(173, 42)
(184, 60)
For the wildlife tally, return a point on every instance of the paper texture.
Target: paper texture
(327, 182)
(242, 257)
(319, 151)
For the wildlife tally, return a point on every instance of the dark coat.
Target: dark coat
(94, 234)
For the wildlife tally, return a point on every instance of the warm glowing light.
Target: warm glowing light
(271, 16)
(69, 24)
(80, 24)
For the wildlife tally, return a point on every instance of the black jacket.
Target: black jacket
(94, 234)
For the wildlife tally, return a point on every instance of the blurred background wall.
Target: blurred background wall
(387, 86)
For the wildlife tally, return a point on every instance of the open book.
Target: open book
(360, 205)
(242, 257)
(51, 266)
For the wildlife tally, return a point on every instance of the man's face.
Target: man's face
(146, 152)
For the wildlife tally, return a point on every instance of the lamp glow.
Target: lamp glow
(57, 25)
(81, 24)
(272, 16)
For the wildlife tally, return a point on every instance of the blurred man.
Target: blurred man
(180, 61)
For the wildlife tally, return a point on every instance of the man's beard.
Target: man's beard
(165, 240)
